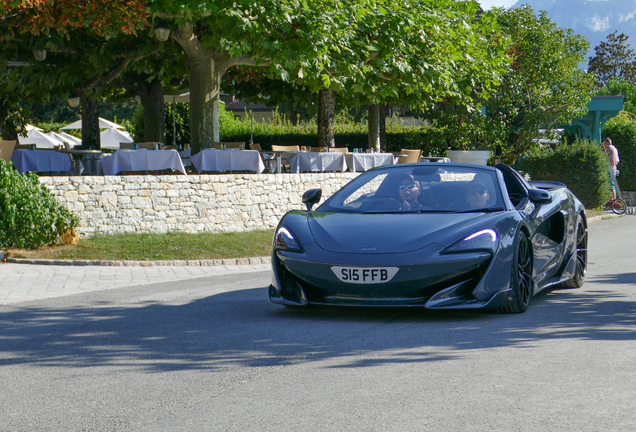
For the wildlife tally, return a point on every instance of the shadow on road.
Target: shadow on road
(242, 328)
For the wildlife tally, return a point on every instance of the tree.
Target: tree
(614, 60)
(291, 38)
(543, 88)
(414, 53)
(624, 88)
(84, 29)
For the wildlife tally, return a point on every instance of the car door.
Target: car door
(546, 222)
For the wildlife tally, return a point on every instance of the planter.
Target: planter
(477, 157)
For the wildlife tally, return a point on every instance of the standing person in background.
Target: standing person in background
(612, 156)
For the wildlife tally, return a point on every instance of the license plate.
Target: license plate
(364, 275)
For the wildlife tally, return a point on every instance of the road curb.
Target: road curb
(602, 217)
(166, 263)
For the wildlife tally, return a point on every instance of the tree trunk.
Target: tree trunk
(90, 123)
(374, 127)
(384, 113)
(326, 111)
(205, 82)
(154, 112)
(206, 67)
(7, 128)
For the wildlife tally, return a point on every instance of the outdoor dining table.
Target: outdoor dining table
(142, 160)
(274, 159)
(77, 155)
(365, 161)
(41, 161)
(228, 160)
(318, 162)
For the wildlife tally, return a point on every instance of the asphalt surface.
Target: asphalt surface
(210, 352)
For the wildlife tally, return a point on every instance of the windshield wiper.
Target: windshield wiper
(482, 210)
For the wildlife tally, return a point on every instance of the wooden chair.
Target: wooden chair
(290, 148)
(148, 145)
(267, 161)
(412, 155)
(338, 150)
(318, 149)
(6, 149)
(282, 148)
(169, 147)
(125, 146)
(19, 146)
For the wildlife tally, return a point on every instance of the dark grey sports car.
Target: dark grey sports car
(441, 236)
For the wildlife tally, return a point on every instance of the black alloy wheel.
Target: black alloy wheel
(521, 278)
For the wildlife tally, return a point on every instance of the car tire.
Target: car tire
(578, 279)
(521, 277)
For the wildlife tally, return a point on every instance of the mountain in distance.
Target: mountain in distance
(594, 19)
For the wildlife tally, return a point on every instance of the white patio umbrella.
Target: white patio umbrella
(111, 138)
(35, 137)
(103, 124)
(64, 137)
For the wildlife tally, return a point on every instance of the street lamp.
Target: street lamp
(40, 55)
(73, 101)
(162, 32)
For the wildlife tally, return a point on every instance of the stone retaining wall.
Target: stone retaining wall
(629, 197)
(195, 203)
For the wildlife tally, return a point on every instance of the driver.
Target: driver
(409, 190)
(477, 195)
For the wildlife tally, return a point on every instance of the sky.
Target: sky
(487, 4)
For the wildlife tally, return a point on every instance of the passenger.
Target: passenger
(477, 195)
(409, 190)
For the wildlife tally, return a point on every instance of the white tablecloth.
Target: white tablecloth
(365, 161)
(318, 162)
(41, 161)
(228, 160)
(142, 160)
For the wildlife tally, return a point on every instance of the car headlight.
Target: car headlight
(285, 239)
(481, 240)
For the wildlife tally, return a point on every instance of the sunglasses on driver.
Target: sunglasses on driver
(407, 186)
(477, 191)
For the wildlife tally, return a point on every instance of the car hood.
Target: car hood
(385, 233)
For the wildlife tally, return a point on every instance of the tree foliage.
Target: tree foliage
(543, 88)
(60, 17)
(624, 88)
(614, 60)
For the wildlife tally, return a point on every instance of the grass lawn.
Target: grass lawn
(150, 247)
(170, 246)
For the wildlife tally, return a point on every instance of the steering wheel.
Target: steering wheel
(383, 204)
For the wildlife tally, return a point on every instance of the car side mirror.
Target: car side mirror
(539, 196)
(312, 197)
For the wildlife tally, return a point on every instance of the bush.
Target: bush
(582, 166)
(622, 131)
(348, 133)
(29, 214)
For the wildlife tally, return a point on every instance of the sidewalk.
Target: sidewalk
(28, 282)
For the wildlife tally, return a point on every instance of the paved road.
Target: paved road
(211, 353)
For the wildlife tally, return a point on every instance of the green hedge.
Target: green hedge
(622, 131)
(582, 166)
(29, 214)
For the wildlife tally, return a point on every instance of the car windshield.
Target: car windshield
(419, 189)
